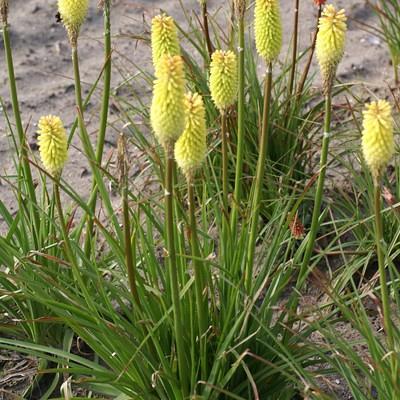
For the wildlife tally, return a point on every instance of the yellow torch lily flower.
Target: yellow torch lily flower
(223, 78)
(164, 38)
(268, 29)
(53, 145)
(167, 111)
(377, 136)
(191, 147)
(330, 44)
(73, 14)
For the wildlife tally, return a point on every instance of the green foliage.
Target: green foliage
(388, 12)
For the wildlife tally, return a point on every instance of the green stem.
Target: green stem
(173, 269)
(67, 245)
(258, 184)
(129, 250)
(241, 131)
(20, 130)
(224, 141)
(200, 288)
(103, 118)
(388, 325)
(315, 223)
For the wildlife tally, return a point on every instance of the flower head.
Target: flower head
(73, 14)
(167, 109)
(223, 78)
(330, 43)
(240, 7)
(377, 136)
(191, 147)
(268, 29)
(4, 11)
(164, 38)
(53, 145)
(319, 2)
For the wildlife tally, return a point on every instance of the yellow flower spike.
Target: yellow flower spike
(191, 147)
(4, 11)
(53, 145)
(73, 14)
(330, 44)
(223, 78)
(164, 38)
(377, 136)
(167, 113)
(268, 29)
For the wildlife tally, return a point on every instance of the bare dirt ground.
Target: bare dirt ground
(44, 75)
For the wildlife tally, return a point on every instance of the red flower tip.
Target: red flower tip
(319, 2)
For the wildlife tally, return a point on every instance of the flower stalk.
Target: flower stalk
(130, 255)
(23, 153)
(172, 266)
(315, 222)
(237, 196)
(200, 287)
(190, 152)
(258, 184)
(106, 4)
(330, 46)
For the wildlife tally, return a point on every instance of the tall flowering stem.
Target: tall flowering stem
(52, 140)
(378, 149)
(190, 152)
(168, 122)
(129, 249)
(240, 6)
(223, 88)
(268, 35)
(319, 193)
(256, 200)
(23, 154)
(106, 4)
(330, 48)
(172, 265)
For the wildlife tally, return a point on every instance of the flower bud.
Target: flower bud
(167, 109)
(53, 145)
(164, 38)
(73, 14)
(268, 29)
(240, 7)
(330, 43)
(4, 11)
(191, 147)
(319, 2)
(377, 136)
(223, 78)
